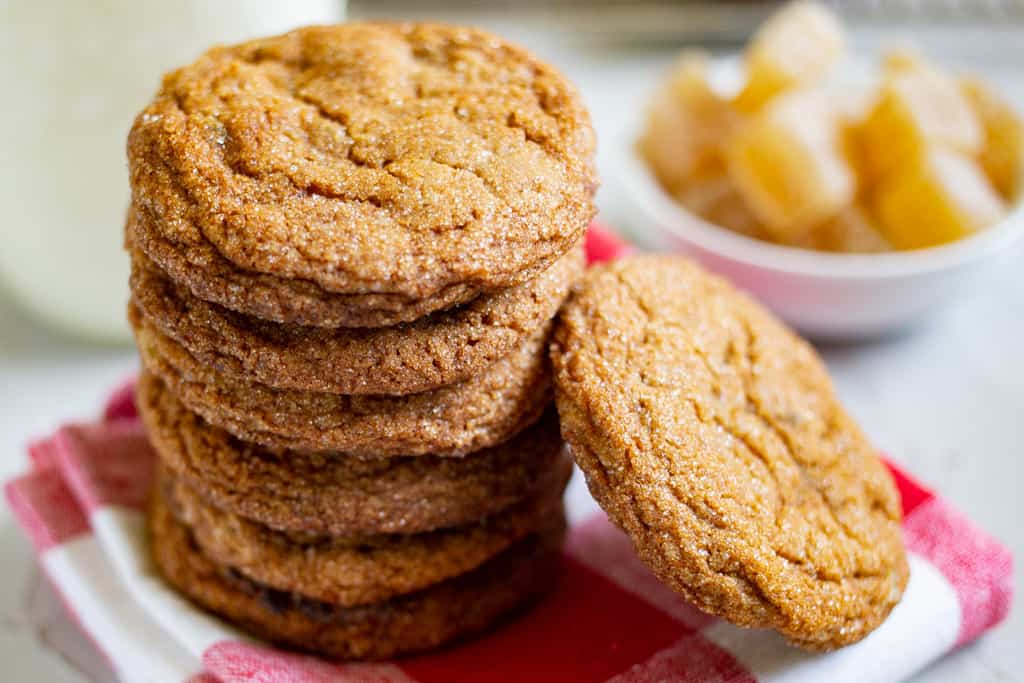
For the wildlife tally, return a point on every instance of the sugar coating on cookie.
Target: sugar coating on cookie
(712, 435)
(328, 493)
(360, 569)
(454, 420)
(443, 348)
(382, 160)
(455, 608)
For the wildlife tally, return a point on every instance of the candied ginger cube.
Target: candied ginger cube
(936, 198)
(793, 49)
(1002, 153)
(917, 109)
(851, 232)
(714, 197)
(686, 124)
(788, 164)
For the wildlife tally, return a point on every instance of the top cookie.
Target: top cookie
(361, 174)
(712, 435)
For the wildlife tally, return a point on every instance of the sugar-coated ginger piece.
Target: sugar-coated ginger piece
(852, 231)
(917, 109)
(715, 198)
(935, 198)
(788, 164)
(1002, 152)
(793, 49)
(686, 124)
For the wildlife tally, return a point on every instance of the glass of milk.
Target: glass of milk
(73, 75)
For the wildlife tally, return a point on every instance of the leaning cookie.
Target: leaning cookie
(355, 570)
(712, 435)
(327, 493)
(444, 348)
(452, 609)
(454, 420)
(361, 174)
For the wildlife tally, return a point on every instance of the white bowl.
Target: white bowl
(823, 295)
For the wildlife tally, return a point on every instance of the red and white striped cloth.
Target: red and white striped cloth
(608, 618)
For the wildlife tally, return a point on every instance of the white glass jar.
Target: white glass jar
(72, 77)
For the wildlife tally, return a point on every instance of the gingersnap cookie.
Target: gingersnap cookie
(355, 570)
(453, 609)
(361, 174)
(444, 348)
(454, 420)
(712, 435)
(328, 493)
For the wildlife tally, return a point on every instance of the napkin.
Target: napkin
(606, 619)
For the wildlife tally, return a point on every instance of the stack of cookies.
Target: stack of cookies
(348, 245)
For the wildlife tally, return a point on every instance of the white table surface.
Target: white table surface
(946, 401)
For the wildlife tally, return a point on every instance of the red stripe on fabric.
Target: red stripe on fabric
(601, 244)
(586, 630)
(912, 492)
(692, 659)
(979, 568)
(239, 662)
(120, 404)
(46, 509)
(106, 464)
(233, 662)
(42, 453)
(606, 549)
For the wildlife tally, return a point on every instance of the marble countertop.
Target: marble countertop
(946, 400)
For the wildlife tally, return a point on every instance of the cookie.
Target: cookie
(712, 435)
(444, 348)
(327, 493)
(461, 418)
(361, 174)
(355, 570)
(453, 609)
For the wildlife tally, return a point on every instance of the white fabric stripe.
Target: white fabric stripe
(138, 649)
(579, 504)
(122, 533)
(922, 628)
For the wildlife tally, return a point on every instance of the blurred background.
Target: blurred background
(75, 73)
(946, 399)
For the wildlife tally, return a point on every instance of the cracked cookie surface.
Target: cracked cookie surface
(455, 608)
(329, 493)
(361, 174)
(440, 349)
(712, 435)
